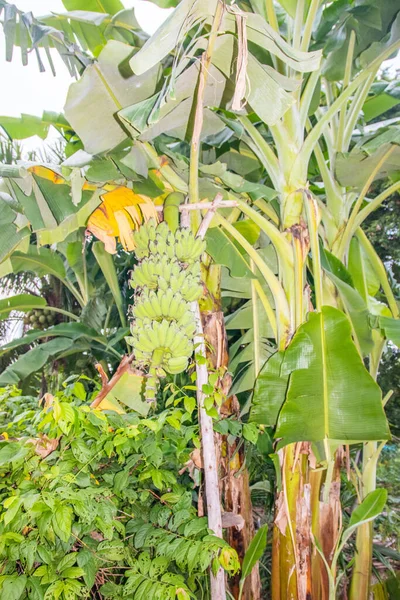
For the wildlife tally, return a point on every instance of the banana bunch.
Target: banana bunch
(165, 274)
(154, 240)
(166, 281)
(167, 306)
(39, 318)
(188, 249)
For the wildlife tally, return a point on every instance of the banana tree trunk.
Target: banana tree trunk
(234, 478)
(302, 515)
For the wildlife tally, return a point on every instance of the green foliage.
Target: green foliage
(95, 499)
(322, 364)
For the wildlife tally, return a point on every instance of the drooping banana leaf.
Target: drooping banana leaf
(105, 88)
(354, 168)
(330, 393)
(20, 303)
(41, 261)
(19, 128)
(93, 28)
(40, 200)
(33, 360)
(35, 37)
(383, 96)
(224, 252)
(171, 113)
(73, 331)
(319, 387)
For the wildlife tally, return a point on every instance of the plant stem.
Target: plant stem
(256, 325)
(312, 11)
(312, 212)
(346, 81)
(198, 117)
(307, 97)
(209, 455)
(271, 15)
(264, 152)
(298, 24)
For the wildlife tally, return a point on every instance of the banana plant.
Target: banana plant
(323, 329)
(264, 105)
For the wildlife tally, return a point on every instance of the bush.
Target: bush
(92, 503)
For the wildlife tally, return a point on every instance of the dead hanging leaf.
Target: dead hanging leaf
(230, 519)
(44, 445)
(102, 373)
(195, 462)
(197, 458)
(242, 60)
(125, 388)
(47, 400)
(120, 213)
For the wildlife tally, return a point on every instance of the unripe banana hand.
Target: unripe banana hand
(166, 280)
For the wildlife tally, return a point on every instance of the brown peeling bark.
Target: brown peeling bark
(298, 572)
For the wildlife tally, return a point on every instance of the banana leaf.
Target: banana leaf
(330, 393)
(34, 359)
(20, 303)
(319, 387)
(72, 331)
(105, 88)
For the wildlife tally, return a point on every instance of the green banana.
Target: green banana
(166, 280)
(171, 209)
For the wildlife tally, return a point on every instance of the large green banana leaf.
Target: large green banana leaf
(105, 88)
(35, 359)
(330, 394)
(322, 386)
(20, 303)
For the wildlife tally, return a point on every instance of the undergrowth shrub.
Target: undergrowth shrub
(97, 504)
